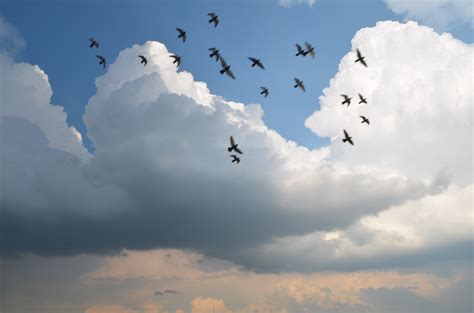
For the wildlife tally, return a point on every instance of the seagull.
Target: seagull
(347, 138)
(214, 19)
(362, 99)
(256, 62)
(177, 59)
(264, 91)
(215, 53)
(346, 100)
(233, 146)
(94, 43)
(143, 61)
(226, 69)
(310, 50)
(235, 158)
(364, 119)
(182, 34)
(300, 51)
(102, 62)
(299, 83)
(360, 58)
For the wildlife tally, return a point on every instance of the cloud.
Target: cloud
(290, 3)
(11, 41)
(160, 175)
(441, 14)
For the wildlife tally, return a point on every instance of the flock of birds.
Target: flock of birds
(226, 69)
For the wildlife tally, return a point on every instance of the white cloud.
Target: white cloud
(11, 41)
(290, 3)
(161, 171)
(441, 14)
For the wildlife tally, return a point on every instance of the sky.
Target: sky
(118, 193)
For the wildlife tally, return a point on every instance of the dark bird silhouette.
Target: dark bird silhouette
(143, 61)
(300, 51)
(299, 84)
(264, 91)
(235, 158)
(182, 34)
(94, 43)
(214, 19)
(346, 100)
(360, 58)
(256, 62)
(233, 146)
(347, 138)
(177, 59)
(362, 99)
(310, 50)
(215, 53)
(226, 69)
(364, 119)
(102, 62)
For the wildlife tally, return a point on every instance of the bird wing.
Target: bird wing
(179, 30)
(302, 86)
(100, 57)
(361, 98)
(212, 49)
(299, 48)
(363, 62)
(254, 60)
(238, 150)
(211, 14)
(223, 63)
(263, 88)
(142, 57)
(231, 75)
(359, 55)
(259, 64)
(232, 142)
(297, 81)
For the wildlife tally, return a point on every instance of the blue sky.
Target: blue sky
(58, 31)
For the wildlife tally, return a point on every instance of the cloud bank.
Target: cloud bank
(160, 175)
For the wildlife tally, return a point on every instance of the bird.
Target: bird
(143, 61)
(215, 53)
(102, 62)
(256, 62)
(360, 58)
(310, 50)
(177, 59)
(364, 120)
(214, 19)
(362, 99)
(300, 50)
(226, 69)
(182, 34)
(235, 158)
(94, 43)
(299, 84)
(347, 138)
(233, 146)
(264, 91)
(346, 100)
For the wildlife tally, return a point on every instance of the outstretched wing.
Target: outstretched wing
(180, 31)
(223, 63)
(238, 150)
(346, 135)
(359, 55)
(299, 48)
(363, 62)
(259, 64)
(232, 142)
(301, 85)
(230, 74)
(212, 15)
(142, 57)
(254, 60)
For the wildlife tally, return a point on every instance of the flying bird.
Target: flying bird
(264, 91)
(215, 53)
(346, 100)
(233, 146)
(364, 119)
(300, 51)
(226, 69)
(235, 158)
(182, 34)
(362, 99)
(360, 58)
(102, 62)
(214, 19)
(347, 138)
(299, 84)
(256, 62)
(94, 43)
(310, 50)
(143, 61)
(177, 59)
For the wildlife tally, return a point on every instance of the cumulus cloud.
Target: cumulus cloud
(160, 174)
(290, 3)
(441, 14)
